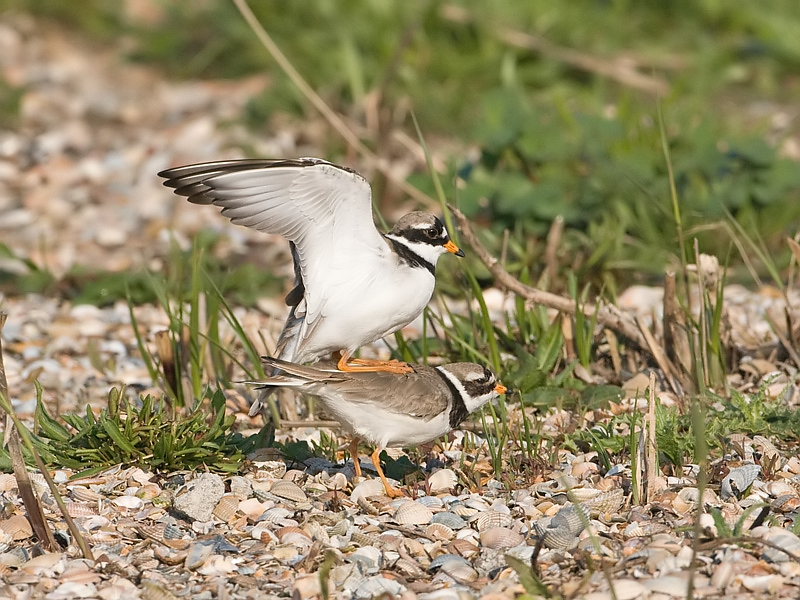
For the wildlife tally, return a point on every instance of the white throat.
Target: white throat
(427, 252)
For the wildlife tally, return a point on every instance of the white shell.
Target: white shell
(413, 513)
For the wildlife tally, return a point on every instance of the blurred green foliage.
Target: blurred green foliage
(552, 138)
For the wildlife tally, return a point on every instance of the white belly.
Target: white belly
(383, 428)
(359, 312)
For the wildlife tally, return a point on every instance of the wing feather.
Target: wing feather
(324, 209)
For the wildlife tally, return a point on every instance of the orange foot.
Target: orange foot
(390, 491)
(354, 456)
(364, 365)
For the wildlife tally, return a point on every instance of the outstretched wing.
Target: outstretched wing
(324, 209)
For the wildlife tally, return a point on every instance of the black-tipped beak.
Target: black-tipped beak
(453, 249)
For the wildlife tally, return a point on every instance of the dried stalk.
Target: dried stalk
(607, 315)
(32, 505)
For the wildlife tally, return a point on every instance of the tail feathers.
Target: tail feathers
(285, 349)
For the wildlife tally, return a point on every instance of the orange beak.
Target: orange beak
(500, 389)
(453, 249)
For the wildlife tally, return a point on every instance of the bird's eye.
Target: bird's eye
(432, 232)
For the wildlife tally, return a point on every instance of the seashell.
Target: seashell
(148, 491)
(451, 520)
(442, 481)
(498, 538)
(777, 489)
(762, 583)
(168, 556)
(606, 502)
(378, 586)
(409, 568)
(172, 532)
(225, 509)
(562, 529)
(341, 527)
(368, 556)
(7, 482)
(437, 531)
(723, 575)
(787, 503)
(270, 469)
(288, 490)
(253, 509)
(128, 502)
(155, 591)
(413, 513)
(369, 488)
(463, 548)
(784, 539)
(459, 570)
(738, 481)
(78, 509)
(17, 526)
(365, 539)
(241, 487)
(367, 506)
(491, 518)
(462, 510)
(276, 514)
(431, 502)
(442, 559)
(197, 554)
(153, 532)
(338, 481)
(84, 494)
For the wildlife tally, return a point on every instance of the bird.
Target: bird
(352, 284)
(389, 409)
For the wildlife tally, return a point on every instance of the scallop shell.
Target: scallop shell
(128, 502)
(606, 502)
(437, 531)
(253, 509)
(84, 494)
(463, 548)
(491, 518)
(369, 488)
(413, 513)
(462, 510)
(459, 570)
(288, 490)
(270, 469)
(225, 509)
(786, 503)
(451, 520)
(78, 509)
(17, 526)
(275, 514)
(7, 482)
(442, 480)
(241, 487)
(738, 480)
(562, 529)
(443, 559)
(498, 538)
(377, 587)
(431, 502)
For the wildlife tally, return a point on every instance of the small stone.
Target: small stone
(199, 497)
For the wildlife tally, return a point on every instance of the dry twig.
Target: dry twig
(607, 314)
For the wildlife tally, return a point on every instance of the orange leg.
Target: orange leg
(390, 491)
(372, 366)
(354, 456)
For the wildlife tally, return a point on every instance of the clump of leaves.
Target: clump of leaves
(145, 435)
